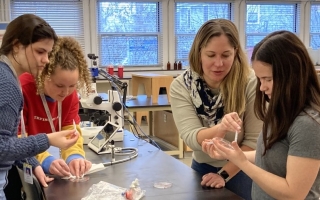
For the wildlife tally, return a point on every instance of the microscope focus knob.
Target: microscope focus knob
(97, 100)
(116, 106)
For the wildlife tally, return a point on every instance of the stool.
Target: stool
(140, 114)
(152, 84)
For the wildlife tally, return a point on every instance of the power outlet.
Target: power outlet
(164, 118)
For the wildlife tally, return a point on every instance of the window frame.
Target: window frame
(162, 35)
(309, 25)
(297, 23)
(173, 39)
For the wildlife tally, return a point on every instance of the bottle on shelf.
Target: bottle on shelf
(168, 66)
(179, 65)
(175, 65)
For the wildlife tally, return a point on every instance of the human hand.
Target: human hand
(79, 166)
(63, 139)
(213, 180)
(40, 175)
(231, 122)
(59, 167)
(232, 153)
(209, 148)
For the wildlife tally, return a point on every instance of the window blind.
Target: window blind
(65, 16)
(189, 17)
(130, 33)
(264, 18)
(315, 26)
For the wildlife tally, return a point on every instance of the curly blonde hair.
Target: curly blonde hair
(67, 54)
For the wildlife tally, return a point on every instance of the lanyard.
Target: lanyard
(52, 150)
(6, 60)
(45, 105)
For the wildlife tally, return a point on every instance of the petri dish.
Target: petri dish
(225, 143)
(83, 179)
(222, 141)
(162, 185)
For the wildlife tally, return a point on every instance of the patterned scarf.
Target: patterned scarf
(209, 107)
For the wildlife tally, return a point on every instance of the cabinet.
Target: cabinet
(166, 130)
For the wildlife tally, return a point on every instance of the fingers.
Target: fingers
(71, 138)
(79, 167)
(88, 166)
(47, 180)
(235, 145)
(63, 139)
(43, 182)
(204, 146)
(232, 122)
(59, 167)
(209, 148)
(42, 178)
(212, 180)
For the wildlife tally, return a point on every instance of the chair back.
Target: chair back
(33, 191)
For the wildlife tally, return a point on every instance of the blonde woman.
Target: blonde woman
(215, 98)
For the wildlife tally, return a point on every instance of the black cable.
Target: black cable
(135, 123)
(120, 85)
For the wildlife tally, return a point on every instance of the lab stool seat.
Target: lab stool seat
(141, 114)
(152, 84)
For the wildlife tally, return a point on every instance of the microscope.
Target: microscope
(112, 108)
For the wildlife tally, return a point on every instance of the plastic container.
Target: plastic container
(120, 71)
(110, 69)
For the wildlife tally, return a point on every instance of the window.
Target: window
(263, 19)
(188, 19)
(129, 33)
(65, 16)
(315, 26)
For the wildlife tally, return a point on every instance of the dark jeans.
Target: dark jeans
(240, 184)
(13, 189)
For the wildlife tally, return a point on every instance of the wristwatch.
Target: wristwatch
(224, 175)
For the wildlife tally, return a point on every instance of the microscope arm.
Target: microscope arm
(117, 82)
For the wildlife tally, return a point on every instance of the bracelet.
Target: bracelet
(222, 178)
(223, 174)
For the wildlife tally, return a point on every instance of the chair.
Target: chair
(33, 191)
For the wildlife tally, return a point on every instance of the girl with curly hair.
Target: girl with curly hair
(51, 104)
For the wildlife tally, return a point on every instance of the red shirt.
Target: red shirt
(35, 116)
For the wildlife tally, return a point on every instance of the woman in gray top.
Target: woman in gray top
(215, 98)
(287, 160)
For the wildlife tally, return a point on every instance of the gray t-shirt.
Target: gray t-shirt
(303, 140)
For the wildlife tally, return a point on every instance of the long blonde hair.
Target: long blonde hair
(67, 54)
(234, 84)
